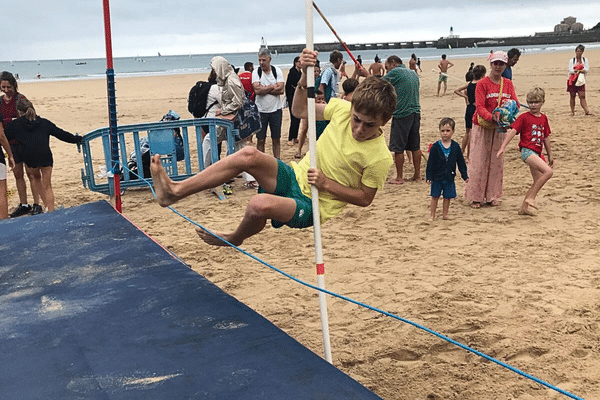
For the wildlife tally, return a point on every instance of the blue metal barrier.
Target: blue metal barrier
(132, 132)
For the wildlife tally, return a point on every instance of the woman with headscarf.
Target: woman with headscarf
(485, 169)
(232, 99)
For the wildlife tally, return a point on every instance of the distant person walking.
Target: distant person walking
(412, 64)
(578, 69)
(443, 66)
(513, 58)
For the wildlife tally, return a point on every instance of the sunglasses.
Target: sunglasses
(498, 63)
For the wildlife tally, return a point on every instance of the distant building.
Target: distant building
(569, 25)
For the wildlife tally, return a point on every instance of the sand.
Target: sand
(522, 289)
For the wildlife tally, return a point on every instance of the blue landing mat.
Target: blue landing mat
(91, 308)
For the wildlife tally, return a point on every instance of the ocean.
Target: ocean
(95, 68)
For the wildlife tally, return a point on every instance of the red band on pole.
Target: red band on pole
(107, 35)
(321, 269)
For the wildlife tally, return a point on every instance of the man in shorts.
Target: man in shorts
(269, 85)
(353, 138)
(406, 123)
(444, 65)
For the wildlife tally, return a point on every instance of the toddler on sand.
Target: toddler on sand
(444, 156)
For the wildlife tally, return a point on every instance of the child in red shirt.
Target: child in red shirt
(534, 130)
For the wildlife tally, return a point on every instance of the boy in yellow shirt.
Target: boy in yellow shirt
(352, 159)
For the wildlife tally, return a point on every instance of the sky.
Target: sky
(72, 29)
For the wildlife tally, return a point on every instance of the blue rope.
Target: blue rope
(358, 303)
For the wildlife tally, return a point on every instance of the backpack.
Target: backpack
(273, 71)
(247, 120)
(197, 99)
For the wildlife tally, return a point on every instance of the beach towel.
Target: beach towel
(507, 113)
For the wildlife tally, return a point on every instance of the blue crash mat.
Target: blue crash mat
(91, 308)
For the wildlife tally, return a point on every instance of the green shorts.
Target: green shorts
(287, 186)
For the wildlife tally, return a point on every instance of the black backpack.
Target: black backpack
(197, 99)
(273, 71)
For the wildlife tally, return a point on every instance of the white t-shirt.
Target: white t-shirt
(214, 94)
(268, 103)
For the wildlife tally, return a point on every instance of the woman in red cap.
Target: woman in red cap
(485, 169)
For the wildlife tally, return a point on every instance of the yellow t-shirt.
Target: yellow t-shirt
(341, 158)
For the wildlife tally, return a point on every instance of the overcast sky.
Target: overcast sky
(69, 29)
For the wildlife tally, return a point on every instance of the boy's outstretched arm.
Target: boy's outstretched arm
(359, 197)
(300, 103)
(548, 151)
(509, 135)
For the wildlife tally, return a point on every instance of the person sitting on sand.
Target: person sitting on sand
(534, 130)
(354, 138)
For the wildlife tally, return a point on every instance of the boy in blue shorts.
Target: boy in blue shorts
(352, 158)
(444, 156)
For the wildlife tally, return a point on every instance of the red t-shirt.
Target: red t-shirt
(533, 130)
(486, 97)
(246, 78)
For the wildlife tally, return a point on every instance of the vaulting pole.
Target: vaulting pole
(356, 63)
(112, 111)
(312, 147)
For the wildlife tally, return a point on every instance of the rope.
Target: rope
(358, 303)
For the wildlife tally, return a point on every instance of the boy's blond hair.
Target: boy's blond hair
(536, 95)
(375, 97)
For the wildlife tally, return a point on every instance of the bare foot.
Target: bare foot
(526, 211)
(531, 203)
(163, 185)
(495, 203)
(447, 218)
(397, 181)
(215, 241)
(415, 178)
(290, 143)
(432, 217)
(475, 205)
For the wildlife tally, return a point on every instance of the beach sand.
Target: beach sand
(525, 290)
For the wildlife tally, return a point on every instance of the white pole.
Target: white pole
(312, 147)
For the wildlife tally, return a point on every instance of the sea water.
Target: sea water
(95, 68)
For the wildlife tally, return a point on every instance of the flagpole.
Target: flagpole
(112, 110)
(312, 146)
(356, 63)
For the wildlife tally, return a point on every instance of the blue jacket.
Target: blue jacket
(438, 169)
